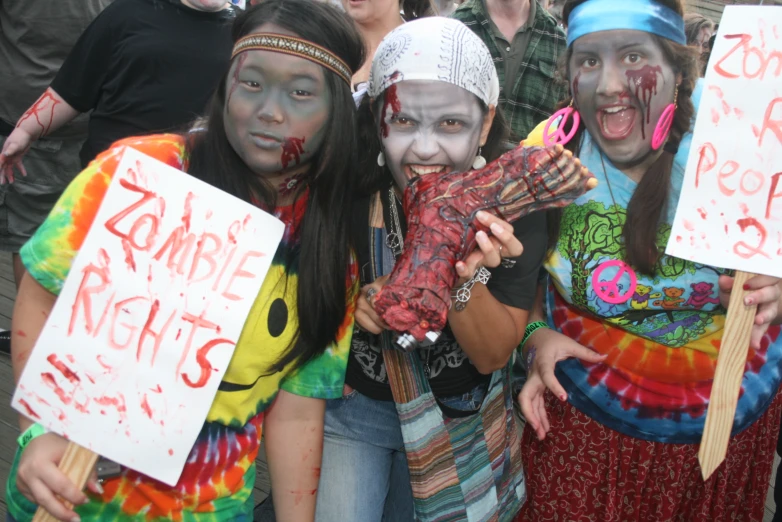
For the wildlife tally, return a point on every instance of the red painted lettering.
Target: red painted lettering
(743, 38)
(198, 322)
(122, 307)
(207, 255)
(751, 182)
(745, 250)
(112, 222)
(147, 331)
(727, 170)
(770, 124)
(706, 161)
(85, 292)
(238, 272)
(203, 362)
(179, 247)
(755, 61)
(773, 194)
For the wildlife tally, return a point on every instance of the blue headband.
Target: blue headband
(641, 15)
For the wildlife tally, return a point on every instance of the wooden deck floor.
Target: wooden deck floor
(9, 430)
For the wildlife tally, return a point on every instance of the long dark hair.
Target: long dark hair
(323, 252)
(374, 178)
(650, 198)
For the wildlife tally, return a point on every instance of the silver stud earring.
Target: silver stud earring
(479, 161)
(381, 159)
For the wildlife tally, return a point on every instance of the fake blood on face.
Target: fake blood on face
(391, 99)
(292, 148)
(645, 82)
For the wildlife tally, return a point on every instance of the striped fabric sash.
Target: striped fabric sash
(466, 469)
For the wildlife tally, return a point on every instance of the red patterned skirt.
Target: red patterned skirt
(584, 471)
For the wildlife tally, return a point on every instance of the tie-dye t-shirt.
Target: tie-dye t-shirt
(218, 478)
(662, 334)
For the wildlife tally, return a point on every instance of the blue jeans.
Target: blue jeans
(364, 475)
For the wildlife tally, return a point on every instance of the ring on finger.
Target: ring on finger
(370, 294)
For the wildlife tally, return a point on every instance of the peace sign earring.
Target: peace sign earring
(561, 118)
(664, 124)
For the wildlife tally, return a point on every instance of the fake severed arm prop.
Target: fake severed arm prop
(440, 210)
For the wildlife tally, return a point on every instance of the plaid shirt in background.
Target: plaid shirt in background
(536, 92)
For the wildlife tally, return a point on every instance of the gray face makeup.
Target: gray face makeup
(276, 109)
(622, 84)
(428, 127)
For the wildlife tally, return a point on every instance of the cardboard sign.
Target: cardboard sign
(131, 357)
(730, 209)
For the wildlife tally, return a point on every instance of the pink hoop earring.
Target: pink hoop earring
(664, 124)
(559, 136)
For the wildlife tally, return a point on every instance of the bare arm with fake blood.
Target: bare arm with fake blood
(38, 476)
(48, 113)
(293, 429)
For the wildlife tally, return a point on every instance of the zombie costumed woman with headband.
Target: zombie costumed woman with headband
(628, 344)
(280, 134)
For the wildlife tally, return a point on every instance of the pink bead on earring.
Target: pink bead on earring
(560, 136)
(664, 124)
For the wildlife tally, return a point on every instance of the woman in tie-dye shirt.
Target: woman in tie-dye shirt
(634, 334)
(280, 134)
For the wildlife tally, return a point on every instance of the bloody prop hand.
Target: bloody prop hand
(440, 210)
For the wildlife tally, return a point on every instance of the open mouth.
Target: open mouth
(414, 171)
(617, 122)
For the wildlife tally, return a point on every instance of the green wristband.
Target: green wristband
(35, 430)
(530, 329)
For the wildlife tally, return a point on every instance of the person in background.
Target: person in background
(620, 373)
(292, 352)
(699, 31)
(141, 66)
(554, 8)
(526, 43)
(35, 38)
(377, 18)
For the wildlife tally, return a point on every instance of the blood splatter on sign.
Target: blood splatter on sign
(730, 209)
(131, 357)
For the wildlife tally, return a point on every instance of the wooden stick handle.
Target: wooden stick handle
(727, 378)
(77, 464)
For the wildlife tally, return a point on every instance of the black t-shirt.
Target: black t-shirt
(144, 66)
(451, 372)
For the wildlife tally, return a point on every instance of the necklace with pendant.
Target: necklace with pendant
(395, 242)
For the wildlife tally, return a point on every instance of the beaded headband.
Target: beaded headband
(641, 15)
(294, 46)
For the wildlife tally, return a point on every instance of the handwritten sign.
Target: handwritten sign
(730, 209)
(130, 359)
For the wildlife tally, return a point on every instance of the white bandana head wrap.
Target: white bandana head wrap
(435, 49)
